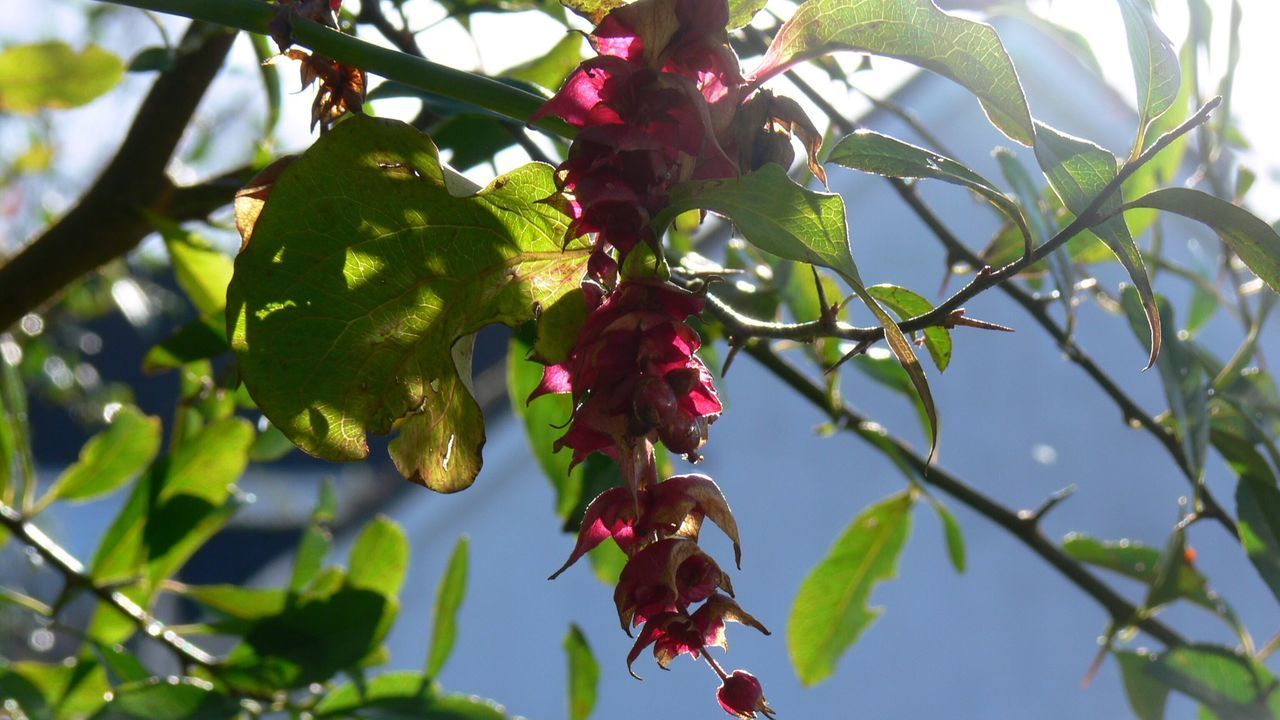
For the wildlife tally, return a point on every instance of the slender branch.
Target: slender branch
(1024, 528)
(74, 574)
(107, 222)
(255, 16)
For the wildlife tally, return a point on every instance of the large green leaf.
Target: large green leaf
(1155, 65)
(169, 699)
(449, 594)
(781, 217)
(52, 75)
(111, 458)
(352, 306)
(1252, 239)
(1258, 505)
(916, 31)
(402, 695)
(584, 674)
(1079, 171)
(871, 152)
(1186, 386)
(830, 611)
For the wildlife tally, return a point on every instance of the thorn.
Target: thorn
(735, 346)
(957, 318)
(857, 350)
(827, 312)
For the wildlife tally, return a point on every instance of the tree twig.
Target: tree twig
(1025, 529)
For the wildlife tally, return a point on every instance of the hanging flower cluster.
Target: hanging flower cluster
(664, 102)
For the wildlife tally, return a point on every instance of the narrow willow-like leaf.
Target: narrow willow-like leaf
(781, 217)
(1186, 386)
(449, 593)
(111, 458)
(52, 75)
(871, 152)
(1251, 238)
(1059, 261)
(1163, 169)
(1079, 171)
(916, 31)
(380, 558)
(1155, 65)
(1147, 696)
(908, 304)
(353, 305)
(584, 674)
(1258, 505)
(830, 611)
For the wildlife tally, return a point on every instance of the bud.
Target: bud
(741, 696)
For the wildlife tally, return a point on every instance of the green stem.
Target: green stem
(255, 16)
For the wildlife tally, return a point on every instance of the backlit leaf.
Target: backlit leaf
(584, 674)
(1252, 239)
(111, 458)
(795, 223)
(1078, 171)
(830, 611)
(363, 257)
(1155, 64)
(916, 31)
(449, 593)
(1147, 695)
(402, 695)
(872, 152)
(380, 558)
(52, 75)
(907, 304)
(1258, 505)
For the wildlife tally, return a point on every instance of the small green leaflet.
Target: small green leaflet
(380, 558)
(916, 31)
(907, 304)
(353, 307)
(51, 75)
(830, 611)
(872, 152)
(954, 536)
(110, 459)
(1155, 65)
(1079, 171)
(1147, 696)
(449, 594)
(316, 539)
(781, 217)
(584, 674)
(168, 699)
(1251, 238)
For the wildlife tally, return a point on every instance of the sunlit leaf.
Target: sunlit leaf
(449, 593)
(379, 558)
(237, 601)
(1252, 239)
(54, 690)
(1032, 201)
(111, 458)
(202, 271)
(200, 339)
(954, 536)
(1079, 171)
(830, 611)
(907, 304)
(364, 254)
(1231, 685)
(916, 31)
(1155, 64)
(795, 223)
(584, 674)
(52, 75)
(872, 152)
(742, 11)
